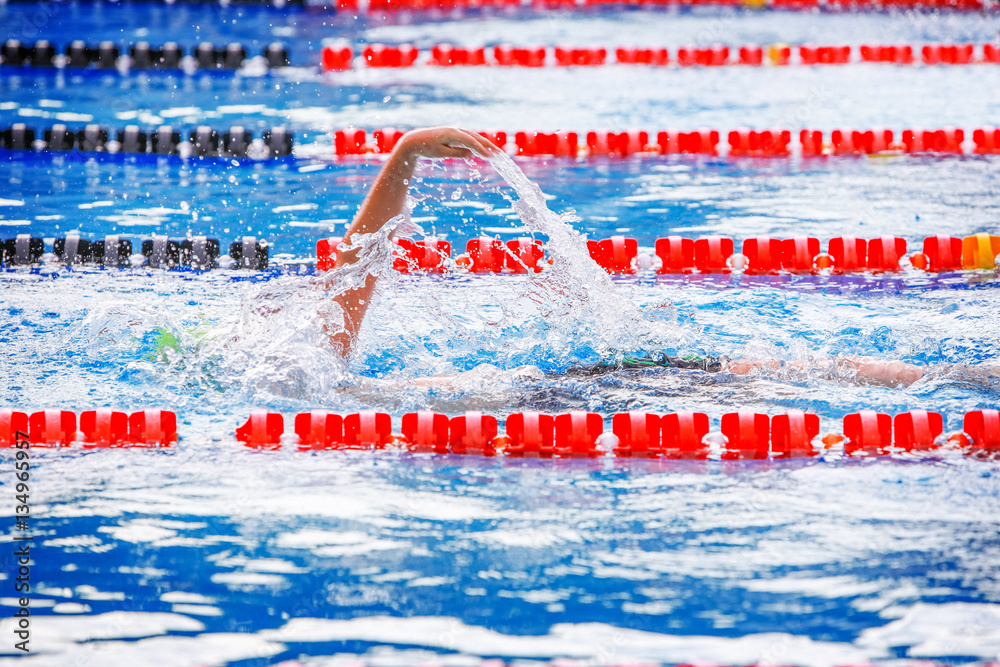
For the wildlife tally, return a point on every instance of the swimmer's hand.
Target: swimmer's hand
(442, 142)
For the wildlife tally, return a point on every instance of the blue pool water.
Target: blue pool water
(211, 554)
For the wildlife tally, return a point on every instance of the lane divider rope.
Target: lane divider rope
(342, 56)
(158, 252)
(571, 5)
(741, 142)
(618, 255)
(201, 142)
(207, 57)
(512, 6)
(238, 142)
(108, 55)
(742, 435)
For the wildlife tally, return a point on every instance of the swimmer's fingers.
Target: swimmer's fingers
(472, 142)
(484, 147)
(449, 150)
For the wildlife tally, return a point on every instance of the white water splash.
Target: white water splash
(276, 346)
(577, 296)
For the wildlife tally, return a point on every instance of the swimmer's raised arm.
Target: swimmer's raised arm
(385, 201)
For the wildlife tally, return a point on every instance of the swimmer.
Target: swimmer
(387, 197)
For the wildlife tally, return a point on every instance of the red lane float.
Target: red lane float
(676, 255)
(947, 54)
(638, 435)
(519, 56)
(13, 427)
(824, 55)
(425, 431)
(763, 255)
(617, 144)
(567, 56)
(900, 55)
(629, 56)
(983, 428)
(350, 142)
(367, 429)
(846, 142)
(711, 254)
(680, 435)
(713, 56)
(152, 428)
(917, 429)
(485, 254)
(941, 253)
(699, 142)
(326, 253)
(751, 55)
(748, 435)
(385, 139)
(104, 428)
(446, 55)
(948, 140)
(714, 254)
(811, 142)
(532, 435)
(792, 434)
(52, 428)
(576, 435)
(745, 142)
(341, 57)
(336, 58)
(868, 433)
(377, 6)
(523, 255)
(474, 433)
(318, 430)
(615, 255)
(741, 142)
(885, 252)
(798, 255)
(987, 141)
(684, 434)
(263, 430)
(427, 256)
(849, 254)
(498, 139)
(100, 428)
(380, 55)
(556, 144)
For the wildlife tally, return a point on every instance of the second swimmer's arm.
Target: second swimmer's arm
(864, 369)
(385, 201)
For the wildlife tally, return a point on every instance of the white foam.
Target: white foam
(56, 630)
(138, 533)
(204, 649)
(941, 630)
(241, 580)
(597, 643)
